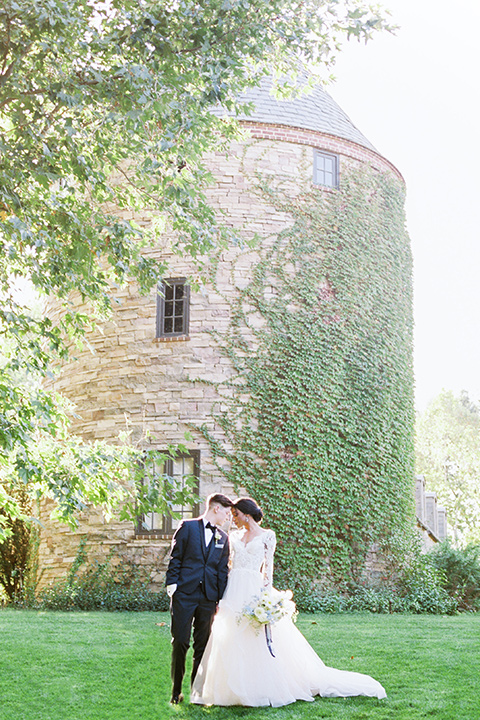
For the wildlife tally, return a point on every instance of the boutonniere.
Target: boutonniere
(219, 542)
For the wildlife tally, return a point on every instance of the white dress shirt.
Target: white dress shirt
(208, 532)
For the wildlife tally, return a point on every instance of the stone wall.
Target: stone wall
(60, 545)
(126, 378)
(431, 517)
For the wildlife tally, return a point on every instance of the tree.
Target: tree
(448, 454)
(104, 106)
(14, 551)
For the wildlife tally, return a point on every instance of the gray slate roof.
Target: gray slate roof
(315, 111)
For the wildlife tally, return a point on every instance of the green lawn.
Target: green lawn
(108, 666)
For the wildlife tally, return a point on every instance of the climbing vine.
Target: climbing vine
(317, 419)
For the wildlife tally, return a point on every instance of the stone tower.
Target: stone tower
(147, 365)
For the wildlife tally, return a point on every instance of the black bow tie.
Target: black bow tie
(210, 526)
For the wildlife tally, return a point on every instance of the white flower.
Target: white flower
(261, 615)
(269, 607)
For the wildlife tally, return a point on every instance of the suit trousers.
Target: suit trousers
(187, 609)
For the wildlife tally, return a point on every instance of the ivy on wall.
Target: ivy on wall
(318, 416)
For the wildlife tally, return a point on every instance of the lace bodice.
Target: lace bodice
(257, 555)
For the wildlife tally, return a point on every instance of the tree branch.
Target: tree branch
(7, 45)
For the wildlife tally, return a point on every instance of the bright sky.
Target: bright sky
(416, 97)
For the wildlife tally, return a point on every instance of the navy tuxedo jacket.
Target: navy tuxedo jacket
(192, 563)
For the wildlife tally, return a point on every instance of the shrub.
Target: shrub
(460, 573)
(314, 600)
(422, 588)
(375, 599)
(64, 597)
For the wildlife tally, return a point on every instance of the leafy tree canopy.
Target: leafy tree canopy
(448, 454)
(105, 106)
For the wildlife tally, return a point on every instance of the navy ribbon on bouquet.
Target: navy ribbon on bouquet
(268, 637)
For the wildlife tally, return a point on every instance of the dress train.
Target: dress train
(237, 667)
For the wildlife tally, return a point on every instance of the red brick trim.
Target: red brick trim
(322, 141)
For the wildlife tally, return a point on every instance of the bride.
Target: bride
(238, 667)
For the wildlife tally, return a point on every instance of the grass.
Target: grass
(109, 666)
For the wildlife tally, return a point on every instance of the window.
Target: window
(178, 468)
(325, 169)
(173, 307)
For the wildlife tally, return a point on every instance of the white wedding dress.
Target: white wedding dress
(237, 667)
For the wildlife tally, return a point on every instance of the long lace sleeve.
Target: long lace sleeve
(269, 543)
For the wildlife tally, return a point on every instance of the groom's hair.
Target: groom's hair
(218, 499)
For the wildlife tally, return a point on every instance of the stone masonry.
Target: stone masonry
(127, 377)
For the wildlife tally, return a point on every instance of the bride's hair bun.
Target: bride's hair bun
(249, 507)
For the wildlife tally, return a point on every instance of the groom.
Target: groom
(196, 580)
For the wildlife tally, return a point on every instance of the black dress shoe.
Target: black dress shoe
(176, 699)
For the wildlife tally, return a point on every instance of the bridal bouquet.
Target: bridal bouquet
(269, 607)
(266, 609)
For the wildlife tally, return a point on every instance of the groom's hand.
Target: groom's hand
(171, 589)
